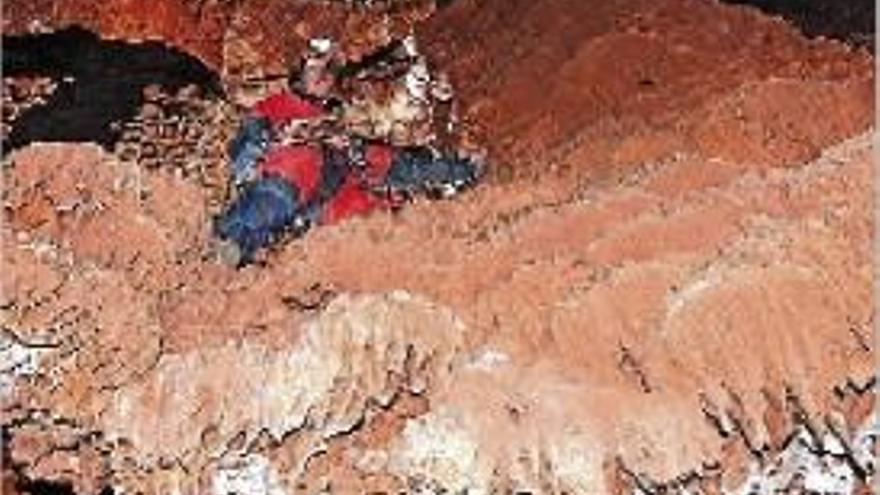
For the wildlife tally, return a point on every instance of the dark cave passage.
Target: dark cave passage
(45, 487)
(50, 487)
(99, 83)
(851, 21)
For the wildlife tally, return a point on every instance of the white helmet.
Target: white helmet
(410, 46)
(321, 45)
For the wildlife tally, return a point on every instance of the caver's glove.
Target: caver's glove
(248, 147)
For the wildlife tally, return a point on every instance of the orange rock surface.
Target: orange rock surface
(669, 268)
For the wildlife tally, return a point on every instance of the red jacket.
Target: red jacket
(284, 107)
(301, 164)
(354, 197)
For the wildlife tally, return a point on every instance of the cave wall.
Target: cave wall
(596, 87)
(231, 36)
(726, 273)
(558, 85)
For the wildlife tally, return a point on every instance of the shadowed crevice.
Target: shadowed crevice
(851, 21)
(100, 83)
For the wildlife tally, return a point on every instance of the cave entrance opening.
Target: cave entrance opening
(97, 84)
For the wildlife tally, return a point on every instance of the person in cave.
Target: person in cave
(294, 166)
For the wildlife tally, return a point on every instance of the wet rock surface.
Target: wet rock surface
(666, 285)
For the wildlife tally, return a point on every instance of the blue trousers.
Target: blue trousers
(265, 209)
(248, 146)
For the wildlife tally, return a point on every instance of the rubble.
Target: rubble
(18, 94)
(184, 133)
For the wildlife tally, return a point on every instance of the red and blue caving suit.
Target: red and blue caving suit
(290, 187)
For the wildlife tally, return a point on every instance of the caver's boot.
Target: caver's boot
(227, 252)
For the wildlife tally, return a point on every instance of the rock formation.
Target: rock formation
(665, 283)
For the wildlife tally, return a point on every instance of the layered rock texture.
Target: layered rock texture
(242, 40)
(664, 284)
